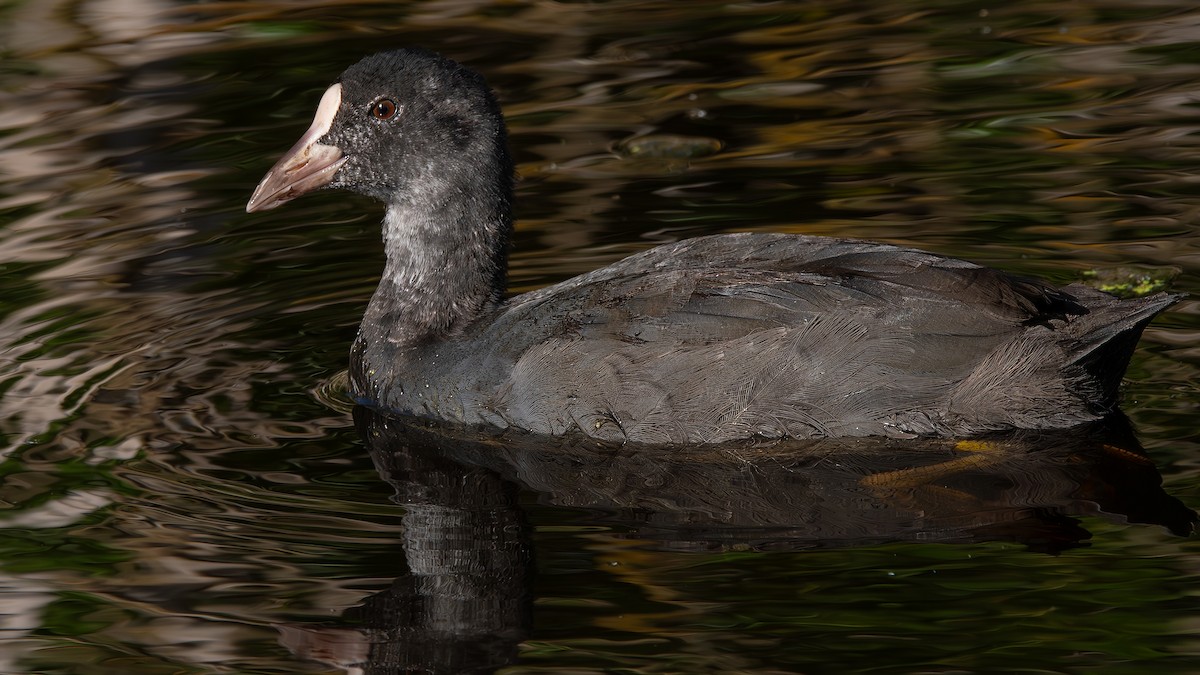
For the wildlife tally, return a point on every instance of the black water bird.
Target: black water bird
(708, 340)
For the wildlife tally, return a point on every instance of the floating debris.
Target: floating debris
(1130, 281)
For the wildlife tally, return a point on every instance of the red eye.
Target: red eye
(384, 109)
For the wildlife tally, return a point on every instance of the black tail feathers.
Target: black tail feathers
(1105, 338)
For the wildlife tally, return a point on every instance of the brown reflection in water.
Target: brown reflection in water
(107, 235)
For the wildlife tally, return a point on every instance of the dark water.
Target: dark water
(183, 491)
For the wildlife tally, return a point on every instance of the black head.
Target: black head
(395, 126)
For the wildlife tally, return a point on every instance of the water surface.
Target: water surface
(182, 490)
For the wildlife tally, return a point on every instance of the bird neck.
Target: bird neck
(447, 256)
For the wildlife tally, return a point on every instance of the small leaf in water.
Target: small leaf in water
(668, 146)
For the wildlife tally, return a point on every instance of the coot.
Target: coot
(707, 340)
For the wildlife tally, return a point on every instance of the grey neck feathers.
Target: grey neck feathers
(446, 265)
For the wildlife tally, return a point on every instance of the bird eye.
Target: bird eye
(384, 109)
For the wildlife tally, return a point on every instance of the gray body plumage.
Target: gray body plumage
(734, 336)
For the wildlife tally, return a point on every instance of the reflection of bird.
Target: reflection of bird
(1023, 486)
(707, 340)
(462, 601)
